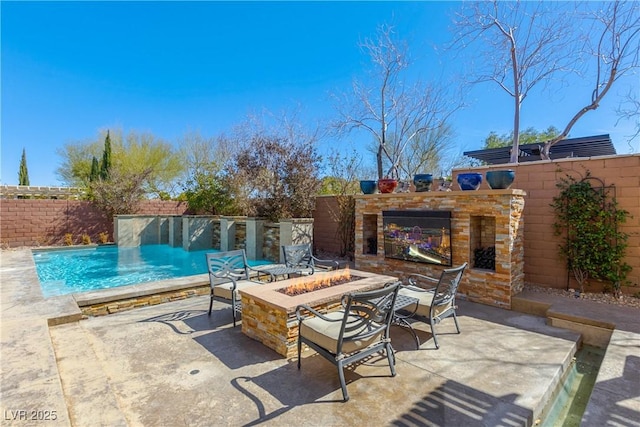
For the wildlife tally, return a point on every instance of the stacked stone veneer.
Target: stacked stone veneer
(473, 214)
(102, 309)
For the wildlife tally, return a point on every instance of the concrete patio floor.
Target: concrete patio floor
(171, 364)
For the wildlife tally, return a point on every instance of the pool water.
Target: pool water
(88, 269)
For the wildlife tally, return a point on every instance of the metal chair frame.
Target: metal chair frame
(225, 267)
(301, 257)
(444, 292)
(364, 315)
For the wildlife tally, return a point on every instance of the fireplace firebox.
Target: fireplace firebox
(418, 236)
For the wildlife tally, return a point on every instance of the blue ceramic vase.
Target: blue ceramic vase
(423, 182)
(368, 186)
(469, 181)
(500, 179)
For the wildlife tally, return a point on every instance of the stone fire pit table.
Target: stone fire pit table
(269, 316)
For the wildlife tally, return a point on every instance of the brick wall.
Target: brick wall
(43, 222)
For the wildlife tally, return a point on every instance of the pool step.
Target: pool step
(86, 386)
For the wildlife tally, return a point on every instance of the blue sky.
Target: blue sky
(70, 69)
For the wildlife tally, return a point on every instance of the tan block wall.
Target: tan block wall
(543, 265)
(488, 287)
(43, 222)
(325, 226)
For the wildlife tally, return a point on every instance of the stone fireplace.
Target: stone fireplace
(488, 223)
(269, 316)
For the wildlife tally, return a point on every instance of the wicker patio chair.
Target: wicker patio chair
(301, 258)
(435, 303)
(228, 273)
(357, 331)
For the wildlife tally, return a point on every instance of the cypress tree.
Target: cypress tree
(106, 158)
(95, 170)
(23, 174)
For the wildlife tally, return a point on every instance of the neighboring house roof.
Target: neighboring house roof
(589, 146)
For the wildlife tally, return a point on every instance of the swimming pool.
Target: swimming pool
(67, 271)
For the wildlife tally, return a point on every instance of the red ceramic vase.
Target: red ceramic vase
(387, 185)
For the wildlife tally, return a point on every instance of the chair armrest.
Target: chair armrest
(415, 279)
(333, 264)
(417, 288)
(316, 313)
(257, 274)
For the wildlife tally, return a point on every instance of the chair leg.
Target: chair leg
(455, 319)
(433, 332)
(392, 359)
(211, 302)
(299, 350)
(343, 383)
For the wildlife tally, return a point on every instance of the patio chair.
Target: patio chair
(228, 273)
(358, 330)
(301, 258)
(435, 303)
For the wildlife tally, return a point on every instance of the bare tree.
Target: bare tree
(390, 109)
(520, 44)
(630, 110)
(614, 44)
(524, 44)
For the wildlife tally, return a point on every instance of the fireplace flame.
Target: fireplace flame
(307, 284)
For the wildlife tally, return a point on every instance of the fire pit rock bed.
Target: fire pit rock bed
(269, 316)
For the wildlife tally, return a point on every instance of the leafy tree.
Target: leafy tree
(130, 155)
(207, 193)
(588, 218)
(95, 170)
(391, 110)
(275, 173)
(522, 45)
(23, 174)
(121, 194)
(209, 186)
(527, 136)
(105, 168)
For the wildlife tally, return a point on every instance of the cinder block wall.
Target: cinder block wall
(543, 264)
(325, 226)
(42, 222)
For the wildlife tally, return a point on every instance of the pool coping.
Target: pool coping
(103, 296)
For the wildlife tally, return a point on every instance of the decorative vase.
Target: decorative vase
(423, 182)
(387, 185)
(368, 186)
(500, 179)
(469, 181)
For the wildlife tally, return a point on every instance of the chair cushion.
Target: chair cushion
(224, 290)
(425, 299)
(325, 333)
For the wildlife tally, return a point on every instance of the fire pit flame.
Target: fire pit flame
(307, 284)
